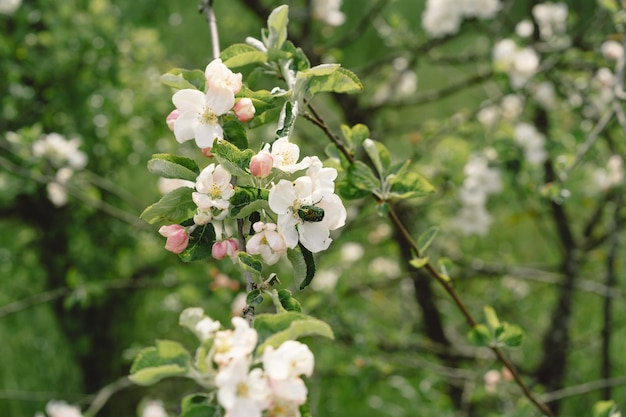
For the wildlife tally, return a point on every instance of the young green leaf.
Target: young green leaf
(362, 177)
(181, 78)
(511, 336)
(378, 154)
(152, 364)
(241, 54)
(425, 239)
(286, 120)
(200, 244)
(250, 263)
(288, 302)
(277, 27)
(199, 405)
(480, 336)
(309, 261)
(359, 132)
(235, 160)
(605, 409)
(235, 132)
(418, 263)
(491, 317)
(327, 78)
(172, 166)
(274, 329)
(254, 298)
(247, 200)
(174, 207)
(409, 185)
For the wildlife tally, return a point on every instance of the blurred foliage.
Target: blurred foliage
(86, 285)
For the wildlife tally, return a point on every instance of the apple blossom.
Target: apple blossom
(199, 114)
(532, 143)
(60, 151)
(291, 201)
(177, 237)
(286, 156)
(219, 76)
(328, 12)
(612, 50)
(213, 190)
(261, 164)
(228, 247)
(242, 393)
(154, 408)
(8, 7)
(194, 319)
(244, 110)
(62, 409)
(290, 359)
(234, 344)
(267, 242)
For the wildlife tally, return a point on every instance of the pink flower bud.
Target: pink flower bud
(177, 237)
(244, 109)
(171, 118)
(261, 164)
(228, 247)
(206, 152)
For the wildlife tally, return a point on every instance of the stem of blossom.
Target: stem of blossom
(206, 6)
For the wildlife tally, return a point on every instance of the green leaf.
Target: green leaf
(254, 298)
(286, 120)
(200, 244)
(288, 302)
(409, 185)
(172, 166)
(605, 409)
(242, 54)
(261, 99)
(235, 160)
(277, 27)
(199, 405)
(445, 265)
(360, 132)
(491, 317)
(378, 154)
(418, 263)
(300, 62)
(181, 78)
(247, 200)
(610, 5)
(274, 329)
(173, 208)
(327, 78)
(425, 239)
(511, 336)
(235, 132)
(165, 360)
(480, 336)
(347, 191)
(250, 263)
(362, 177)
(382, 208)
(310, 266)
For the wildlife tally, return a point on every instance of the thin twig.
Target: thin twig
(583, 388)
(206, 7)
(103, 395)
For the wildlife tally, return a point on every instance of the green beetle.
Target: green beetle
(311, 213)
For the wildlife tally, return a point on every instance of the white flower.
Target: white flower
(286, 156)
(328, 12)
(214, 191)
(612, 50)
(234, 344)
(524, 28)
(166, 185)
(551, 18)
(532, 142)
(267, 242)
(154, 408)
(441, 18)
(8, 7)
(473, 219)
(291, 359)
(62, 409)
(219, 76)
(242, 393)
(199, 114)
(60, 151)
(305, 213)
(202, 326)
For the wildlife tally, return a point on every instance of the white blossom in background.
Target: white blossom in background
(60, 151)
(512, 106)
(61, 409)
(544, 94)
(602, 92)
(612, 175)
(328, 11)
(489, 116)
(444, 17)
(551, 19)
(612, 50)
(8, 7)
(532, 143)
(525, 28)
(519, 63)
(166, 185)
(480, 181)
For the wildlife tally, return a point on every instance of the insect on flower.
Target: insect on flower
(311, 213)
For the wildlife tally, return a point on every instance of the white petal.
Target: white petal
(220, 100)
(314, 236)
(189, 100)
(205, 134)
(281, 197)
(185, 125)
(334, 211)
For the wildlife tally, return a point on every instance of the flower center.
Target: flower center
(216, 192)
(208, 117)
(243, 390)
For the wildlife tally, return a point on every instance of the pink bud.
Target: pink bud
(206, 152)
(244, 109)
(177, 237)
(171, 118)
(228, 247)
(261, 164)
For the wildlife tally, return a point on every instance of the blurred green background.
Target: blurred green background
(85, 285)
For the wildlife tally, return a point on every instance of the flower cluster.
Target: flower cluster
(64, 157)
(532, 143)
(60, 409)
(444, 17)
(248, 383)
(480, 181)
(520, 63)
(328, 11)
